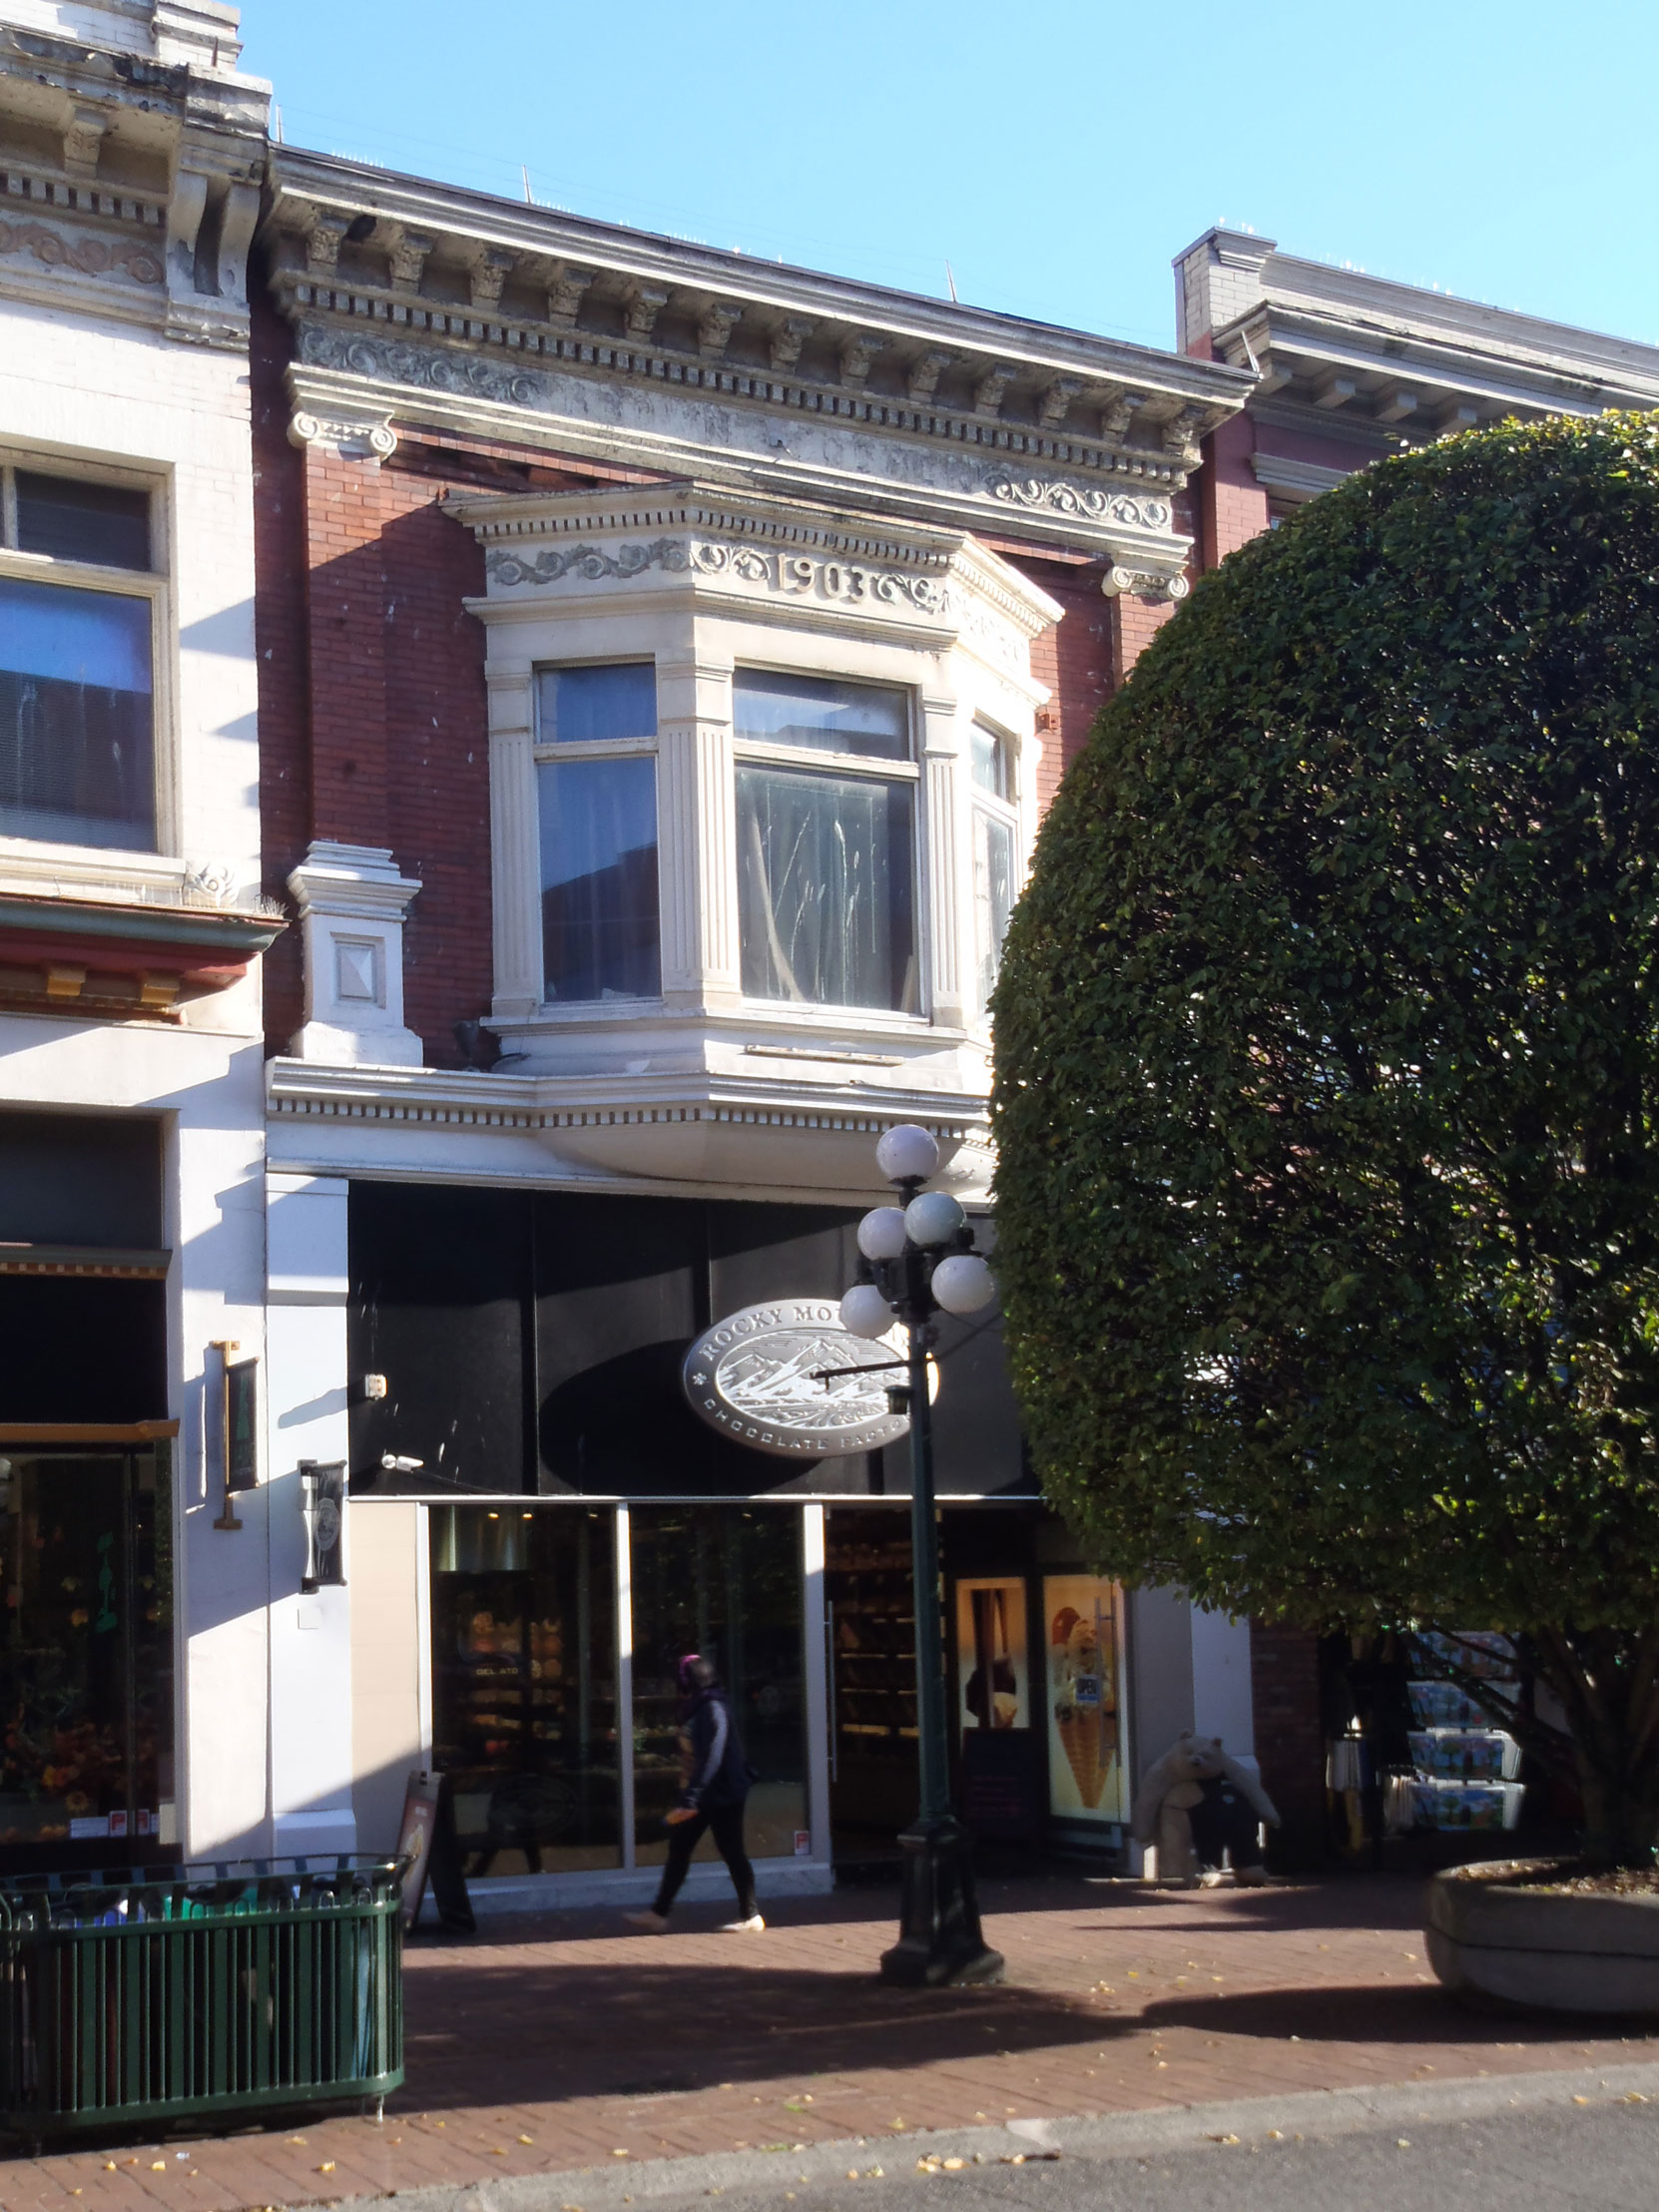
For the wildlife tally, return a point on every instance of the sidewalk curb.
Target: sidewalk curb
(1321, 2112)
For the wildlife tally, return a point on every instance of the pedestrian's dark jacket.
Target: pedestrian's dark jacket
(711, 1763)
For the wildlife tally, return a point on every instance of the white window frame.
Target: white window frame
(756, 751)
(1004, 809)
(548, 752)
(153, 584)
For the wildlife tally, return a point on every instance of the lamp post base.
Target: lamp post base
(939, 1935)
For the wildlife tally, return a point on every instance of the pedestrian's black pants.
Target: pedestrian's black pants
(725, 1822)
(1225, 1821)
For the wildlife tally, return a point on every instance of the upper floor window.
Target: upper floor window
(995, 852)
(78, 620)
(596, 792)
(826, 834)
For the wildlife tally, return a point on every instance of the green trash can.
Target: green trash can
(198, 1992)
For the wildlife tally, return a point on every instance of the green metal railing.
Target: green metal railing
(198, 1992)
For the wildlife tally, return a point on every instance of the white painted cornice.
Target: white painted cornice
(612, 262)
(1342, 347)
(121, 127)
(1294, 480)
(665, 1135)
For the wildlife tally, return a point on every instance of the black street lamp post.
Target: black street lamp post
(919, 1261)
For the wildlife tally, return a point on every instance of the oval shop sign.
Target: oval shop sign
(751, 1376)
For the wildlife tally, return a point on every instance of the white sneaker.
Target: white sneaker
(753, 1926)
(653, 1922)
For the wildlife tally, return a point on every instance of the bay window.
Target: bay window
(596, 795)
(995, 865)
(79, 608)
(825, 841)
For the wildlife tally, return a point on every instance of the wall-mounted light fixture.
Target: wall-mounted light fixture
(239, 1432)
(323, 1501)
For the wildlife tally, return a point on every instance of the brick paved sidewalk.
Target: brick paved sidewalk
(543, 2046)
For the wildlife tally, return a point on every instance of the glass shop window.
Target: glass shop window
(825, 824)
(524, 1712)
(995, 852)
(86, 1657)
(596, 790)
(77, 663)
(725, 1580)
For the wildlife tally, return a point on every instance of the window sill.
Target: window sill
(89, 870)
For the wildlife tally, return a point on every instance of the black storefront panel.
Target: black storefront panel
(440, 1287)
(533, 1341)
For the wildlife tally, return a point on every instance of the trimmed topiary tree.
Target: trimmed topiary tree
(1328, 1085)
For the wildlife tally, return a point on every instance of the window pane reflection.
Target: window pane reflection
(826, 889)
(599, 878)
(863, 719)
(77, 755)
(579, 704)
(724, 1580)
(993, 896)
(524, 1718)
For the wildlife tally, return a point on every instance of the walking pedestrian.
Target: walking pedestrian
(715, 1778)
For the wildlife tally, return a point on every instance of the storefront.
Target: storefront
(541, 1526)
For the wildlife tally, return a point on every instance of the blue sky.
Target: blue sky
(1056, 157)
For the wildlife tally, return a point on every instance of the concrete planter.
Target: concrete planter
(1493, 1942)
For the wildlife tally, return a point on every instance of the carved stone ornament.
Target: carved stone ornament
(462, 373)
(715, 326)
(923, 378)
(566, 287)
(591, 562)
(489, 272)
(1059, 496)
(787, 340)
(1115, 415)
(323, 240)
(408, 257)
(641, 307)
(789, 575)
(90, 256)
(1141, 583)
(359, 437)
(857, 353)
(754, 1376)
(1055, 404)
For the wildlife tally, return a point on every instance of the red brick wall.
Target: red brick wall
(1290, 1739)
(281, 637)
(1073, 658)
(1232, 505)
(372, 717)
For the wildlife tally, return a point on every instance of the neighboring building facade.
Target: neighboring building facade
(133, 1652)
(1350, 368)
(665, 661)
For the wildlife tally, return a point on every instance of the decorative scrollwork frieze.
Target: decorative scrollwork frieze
(591, 562)
(789, 575)
(462, 373)
(1059, 496)
(91, 257)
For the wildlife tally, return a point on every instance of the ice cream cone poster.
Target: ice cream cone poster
(1085, 1743)
(992, 1654)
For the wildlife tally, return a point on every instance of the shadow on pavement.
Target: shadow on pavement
(489, 2035)
(1420, 2013)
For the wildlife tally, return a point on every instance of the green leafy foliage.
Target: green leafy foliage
(1327, 1064)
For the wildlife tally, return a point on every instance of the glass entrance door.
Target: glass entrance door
(86, 1657)
(869, 1593)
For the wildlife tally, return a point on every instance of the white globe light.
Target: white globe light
(907, 1154)
(934, 1217)
(882, 1233)
(963, 1283)
(865, 1311)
